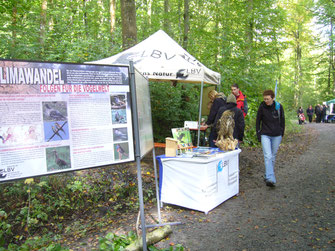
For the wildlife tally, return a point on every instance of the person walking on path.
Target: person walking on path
(318, 112)
(238, 118)
(323, 113)
(310, 112)
(217, 100)
(241, 99)
(270, 128)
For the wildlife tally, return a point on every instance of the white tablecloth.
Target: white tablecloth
(200, 183)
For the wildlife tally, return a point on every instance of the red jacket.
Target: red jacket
(241, 102)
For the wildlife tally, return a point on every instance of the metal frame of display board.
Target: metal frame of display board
(138, 156)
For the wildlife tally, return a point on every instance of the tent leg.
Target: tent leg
(157, 188)
(200, 107)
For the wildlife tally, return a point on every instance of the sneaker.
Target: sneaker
(270, 183)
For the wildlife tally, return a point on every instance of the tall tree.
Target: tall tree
(167, 26)
(14, 27)
(325, 11)
(301, 43)
(129, 28)
(186, 23)
(43, 22)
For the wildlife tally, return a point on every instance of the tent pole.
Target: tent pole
(200, 107)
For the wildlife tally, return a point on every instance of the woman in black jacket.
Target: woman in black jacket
(270, 128)
(217, 100)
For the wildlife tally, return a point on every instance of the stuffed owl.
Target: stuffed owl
(225, 140)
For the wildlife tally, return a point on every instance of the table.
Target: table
(199, 183)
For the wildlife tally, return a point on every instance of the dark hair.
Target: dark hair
(234, 85)
(269, 93)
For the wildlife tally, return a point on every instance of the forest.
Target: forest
(253, 43)
(249, 42)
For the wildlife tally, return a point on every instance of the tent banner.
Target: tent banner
(59, 117)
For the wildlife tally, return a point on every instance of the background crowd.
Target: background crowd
(320, 112)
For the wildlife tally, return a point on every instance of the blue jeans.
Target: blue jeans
(270, 145)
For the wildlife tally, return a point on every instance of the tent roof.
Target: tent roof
(330, 101)
(160, 58)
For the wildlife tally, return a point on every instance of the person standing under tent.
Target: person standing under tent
(310, 112)
(217, 100)
(241, 99)
(270, 128)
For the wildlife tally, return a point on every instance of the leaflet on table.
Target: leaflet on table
(50, 128)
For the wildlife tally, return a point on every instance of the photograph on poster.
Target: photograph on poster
(118, 101)
(121, 151)
(119, 116)
(55, 131)
(119, 108)
(54, 111)
(58, 158)
(120, 134)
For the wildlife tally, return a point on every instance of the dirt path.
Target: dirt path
(296, 215)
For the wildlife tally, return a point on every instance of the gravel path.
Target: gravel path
(298, 214)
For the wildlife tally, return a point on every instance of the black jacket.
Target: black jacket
(238, 118)
(268, 121)
(217, 103)
(310, 111)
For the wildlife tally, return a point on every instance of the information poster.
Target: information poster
(58, 117)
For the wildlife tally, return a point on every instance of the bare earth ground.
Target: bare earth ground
(298, 214)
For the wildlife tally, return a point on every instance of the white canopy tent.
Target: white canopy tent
(160, 58)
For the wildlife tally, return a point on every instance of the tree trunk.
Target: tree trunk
(186, 23)
(149, 11)
(332, 66)
(167, 25)
(249, 31)
(129, 28)
(151, 238)
(13, 28)
(331, 54)
(298, 69)
(112, 12)
(43, 22)
(85, 18)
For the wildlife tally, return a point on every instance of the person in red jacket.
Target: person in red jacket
(241, 99)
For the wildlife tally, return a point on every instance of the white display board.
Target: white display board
(200, 183)
(144, 113)
(58, 117)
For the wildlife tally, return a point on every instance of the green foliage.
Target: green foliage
(171, 106)
(45, 205)
(114, 242)
(45, 243)
(118, 243)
